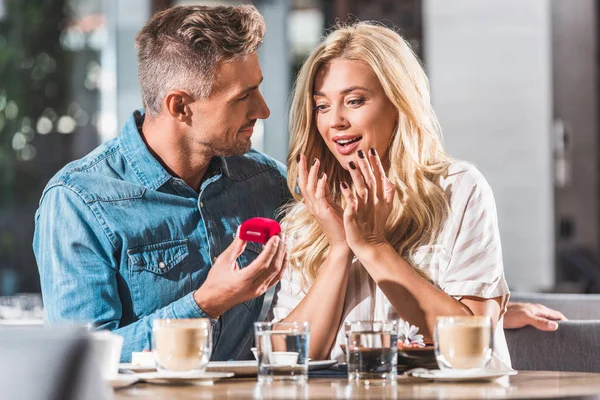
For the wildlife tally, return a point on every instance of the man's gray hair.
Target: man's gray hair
(180, 47)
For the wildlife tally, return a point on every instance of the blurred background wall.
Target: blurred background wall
(514, 84)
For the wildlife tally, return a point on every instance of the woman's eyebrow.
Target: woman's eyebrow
(344, 91)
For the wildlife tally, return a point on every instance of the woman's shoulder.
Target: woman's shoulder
(462, 181)
(463, 177)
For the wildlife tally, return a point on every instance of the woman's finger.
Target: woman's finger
(302, 173)
(367, 172)
(361, 189)
(389, 192)
(349, 197)
(551, 314)
(321, 191)
(311, 183)
(378, 173)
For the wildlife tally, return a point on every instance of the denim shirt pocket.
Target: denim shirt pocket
(162, 269)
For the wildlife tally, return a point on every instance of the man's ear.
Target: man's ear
(177, 104)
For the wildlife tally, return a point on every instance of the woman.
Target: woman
(386, 225)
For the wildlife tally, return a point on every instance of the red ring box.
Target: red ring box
(259, 230)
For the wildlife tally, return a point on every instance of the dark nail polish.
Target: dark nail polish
(314, 161)
(298, 157)
(361, 154)
(373, 152)
(352, 165)
(344, 185)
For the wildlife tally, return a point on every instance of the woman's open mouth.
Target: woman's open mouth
(347, 145)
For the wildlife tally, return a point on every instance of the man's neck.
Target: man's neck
(171, 148)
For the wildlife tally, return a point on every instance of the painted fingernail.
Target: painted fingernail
(298, 157)
(352, 165)
(344, 185)
(314, 161)
(373, 152)
(361, 154)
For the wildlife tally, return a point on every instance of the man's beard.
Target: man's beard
(238, 148)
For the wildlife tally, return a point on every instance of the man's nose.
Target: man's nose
(262, 110)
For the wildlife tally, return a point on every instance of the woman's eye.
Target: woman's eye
(321, 107)
(356, 102)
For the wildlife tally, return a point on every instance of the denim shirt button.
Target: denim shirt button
(161, 265)
(214, 260)
(201, 204)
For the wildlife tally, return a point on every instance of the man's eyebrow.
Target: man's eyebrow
(344, 91)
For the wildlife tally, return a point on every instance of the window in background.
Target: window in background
(49, 90)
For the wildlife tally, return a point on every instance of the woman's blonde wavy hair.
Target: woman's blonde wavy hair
(415, 155)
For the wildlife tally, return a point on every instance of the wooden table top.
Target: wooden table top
(527, 384)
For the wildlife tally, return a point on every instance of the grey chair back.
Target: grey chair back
(575, 346)
(48, 364)
(573, 306)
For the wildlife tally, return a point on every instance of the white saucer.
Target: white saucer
(122, 380)
(460, 376)
(201, 377)
(137, 368)
(21, 322)
(250, 367)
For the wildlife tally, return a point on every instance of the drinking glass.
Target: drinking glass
(282, 350)
(22, 306)
(372, 351)
(463, 342)
(181, 345)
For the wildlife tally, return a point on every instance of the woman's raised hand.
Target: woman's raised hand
(368, 202)
(317, 197)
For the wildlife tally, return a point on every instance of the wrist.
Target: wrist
(341, 248)
(370, 252)
(207, 303)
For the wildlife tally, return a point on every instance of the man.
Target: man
(144, 227)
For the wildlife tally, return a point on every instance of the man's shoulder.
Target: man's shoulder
(95, 176)
(253, 163)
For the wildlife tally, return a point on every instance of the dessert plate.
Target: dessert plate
(183, 378)
(459, 375)
(137, 368)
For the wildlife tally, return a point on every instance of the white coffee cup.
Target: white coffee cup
(107, 348)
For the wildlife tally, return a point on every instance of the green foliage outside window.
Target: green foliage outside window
(34, 87)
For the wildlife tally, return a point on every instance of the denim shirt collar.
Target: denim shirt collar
(149, 171)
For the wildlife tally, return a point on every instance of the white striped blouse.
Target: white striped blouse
(465, 260)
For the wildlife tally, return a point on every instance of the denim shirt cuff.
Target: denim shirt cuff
(187, 307)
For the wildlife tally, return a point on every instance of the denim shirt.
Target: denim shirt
(119, 241)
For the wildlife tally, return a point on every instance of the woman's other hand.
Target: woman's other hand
(368, 202)
(519, 315)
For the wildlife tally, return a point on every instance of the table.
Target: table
(527, 384)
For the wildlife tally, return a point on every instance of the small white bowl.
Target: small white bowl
(283, 357)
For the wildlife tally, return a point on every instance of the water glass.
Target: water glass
(372, 351)
(463, 342)
(181, 345)
(22, 306)
(282, 350)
